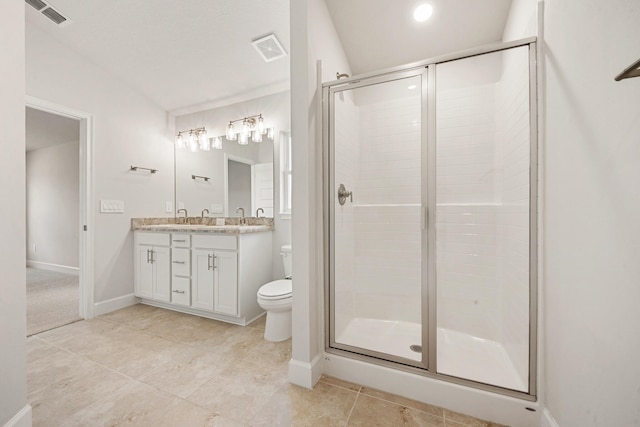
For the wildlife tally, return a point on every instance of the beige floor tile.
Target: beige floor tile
(325, 405)
(166, 323)
(270, 355)
(147, 356)
(369, 411)
(185, 373)
(54, 403)
(185, 414)
(455, 418)
(399, 400)
(340, 383)
(38, 349)
(259, 323)
(58, 366)
(136, 316)
(133, 405)
(75, 330)
(239, 390)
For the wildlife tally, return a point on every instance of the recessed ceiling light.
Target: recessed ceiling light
(411, 87)
(422, 12)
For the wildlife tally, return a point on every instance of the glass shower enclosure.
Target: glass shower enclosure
(430, 218)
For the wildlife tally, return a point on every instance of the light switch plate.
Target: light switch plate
(216, 208)
(112, 206)
(168, 207)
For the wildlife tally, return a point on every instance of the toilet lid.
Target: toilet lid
(275, 289)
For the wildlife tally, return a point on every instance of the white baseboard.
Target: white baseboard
(114, 304)
(21, 419)
(54, 267)
(547, 419)
(305, 374)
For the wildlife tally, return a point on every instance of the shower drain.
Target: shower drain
(416, 347)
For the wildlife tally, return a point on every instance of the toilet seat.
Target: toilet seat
(276, 290)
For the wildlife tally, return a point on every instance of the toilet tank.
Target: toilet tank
(285, 252)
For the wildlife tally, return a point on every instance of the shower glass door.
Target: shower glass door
(375, 158)
(430, 218)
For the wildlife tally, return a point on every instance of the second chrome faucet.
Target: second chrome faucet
(243, 220)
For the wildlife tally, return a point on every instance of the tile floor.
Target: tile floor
(145, 366)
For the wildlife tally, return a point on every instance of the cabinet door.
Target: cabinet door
(162, 273)
(143, 284)
(225, 281)
(202, 290)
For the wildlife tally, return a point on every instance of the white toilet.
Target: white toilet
(275, 298)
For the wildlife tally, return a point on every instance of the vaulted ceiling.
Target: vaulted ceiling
(190, 52)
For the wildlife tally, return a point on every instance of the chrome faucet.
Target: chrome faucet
(203, 211)
(185, 213)
(258, 212)
(243, 220)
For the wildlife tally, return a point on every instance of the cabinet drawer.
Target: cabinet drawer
(214, 242)
(181, 262)
(180, 240)
(181, 291)
(144, 238)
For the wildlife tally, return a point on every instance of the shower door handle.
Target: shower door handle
(343, 194)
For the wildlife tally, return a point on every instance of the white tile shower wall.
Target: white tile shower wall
(512, 94)
(387, 211)
(346, 171)
(468, 189)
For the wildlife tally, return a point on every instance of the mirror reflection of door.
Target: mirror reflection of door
(239, 187)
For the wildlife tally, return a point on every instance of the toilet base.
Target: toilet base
(278, 326)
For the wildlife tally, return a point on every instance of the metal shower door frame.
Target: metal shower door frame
(427, 69)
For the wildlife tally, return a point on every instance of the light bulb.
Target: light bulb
(270, 133)
(231, 132)
(244, 138)
(205, 144)
(179, 141)
(245, 129)
(217, 143)
(261, 128)
(257, 136)
(193, 142)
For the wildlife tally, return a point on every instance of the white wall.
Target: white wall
(591, 205)
(53, 188)
(128, 130)
(276, 110)
(313, 37)
(13, 387)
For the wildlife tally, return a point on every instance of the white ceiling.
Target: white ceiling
(178, 53)
(46, 129)
(378, 34)
(188, 53)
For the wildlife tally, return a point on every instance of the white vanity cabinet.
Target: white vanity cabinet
(152, 266)
(213, 275)
(215, 271)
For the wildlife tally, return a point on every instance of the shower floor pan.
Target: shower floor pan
(460, 355)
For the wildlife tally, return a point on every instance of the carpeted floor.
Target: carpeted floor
(52, 300)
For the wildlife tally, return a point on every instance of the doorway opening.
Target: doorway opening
(58, 181)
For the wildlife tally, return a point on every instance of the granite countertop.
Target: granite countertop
(202, 225)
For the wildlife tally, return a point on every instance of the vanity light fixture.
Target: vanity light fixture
(195, 139)
(217, 143)
(252, 126)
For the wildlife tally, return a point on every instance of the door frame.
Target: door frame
(238, 159)
(86, 214)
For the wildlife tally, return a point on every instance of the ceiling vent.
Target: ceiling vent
(36, 4)
(269, 48)
(48, 11)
